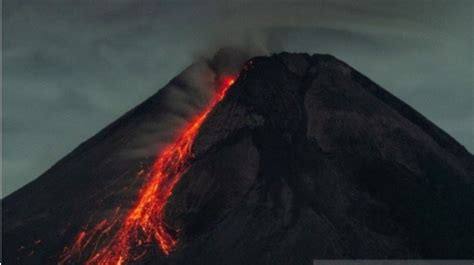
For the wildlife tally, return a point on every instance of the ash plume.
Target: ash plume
(186, 94)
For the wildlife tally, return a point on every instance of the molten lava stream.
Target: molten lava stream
(145, 222)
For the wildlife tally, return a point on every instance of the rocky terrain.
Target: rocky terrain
(305, 158)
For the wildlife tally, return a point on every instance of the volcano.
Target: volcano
(294, 158)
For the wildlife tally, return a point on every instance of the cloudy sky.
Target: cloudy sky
(70, 67)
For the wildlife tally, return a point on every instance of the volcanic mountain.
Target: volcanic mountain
(296, 158)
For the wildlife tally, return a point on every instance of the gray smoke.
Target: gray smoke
(187, 95)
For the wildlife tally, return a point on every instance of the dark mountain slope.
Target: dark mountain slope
(344, 169)
(305, 158)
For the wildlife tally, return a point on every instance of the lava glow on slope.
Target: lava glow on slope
(144, 223)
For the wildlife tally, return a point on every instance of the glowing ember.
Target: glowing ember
(145, 222)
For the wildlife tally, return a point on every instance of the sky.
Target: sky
(70, 67)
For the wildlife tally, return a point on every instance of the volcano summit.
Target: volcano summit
(296, 158)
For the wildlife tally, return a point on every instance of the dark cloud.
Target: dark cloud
(72, 67)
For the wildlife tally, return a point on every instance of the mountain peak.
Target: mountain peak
(304, 158)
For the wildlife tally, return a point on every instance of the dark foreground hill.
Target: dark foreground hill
(305, 158)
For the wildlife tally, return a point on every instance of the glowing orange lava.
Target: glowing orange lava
(145, 222)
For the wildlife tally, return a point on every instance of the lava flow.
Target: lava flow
(145, 223)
